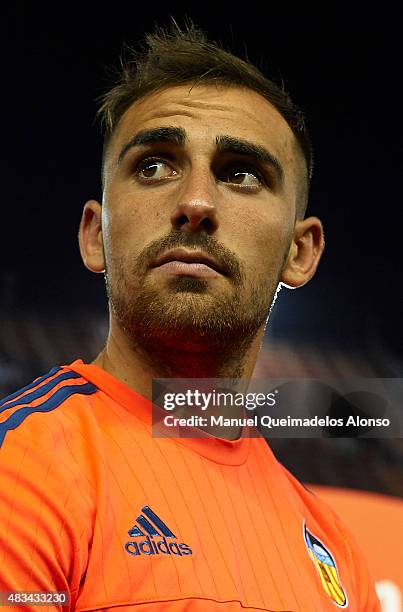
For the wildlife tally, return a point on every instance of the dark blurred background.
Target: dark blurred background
(343, 70)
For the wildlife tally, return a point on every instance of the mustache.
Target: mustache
(177, 238)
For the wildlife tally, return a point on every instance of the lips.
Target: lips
(191, 257)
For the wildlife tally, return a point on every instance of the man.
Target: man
(206, 173)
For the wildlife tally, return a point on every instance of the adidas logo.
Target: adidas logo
(151, 524)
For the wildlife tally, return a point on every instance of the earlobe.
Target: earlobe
(90, 237)
(304, 254)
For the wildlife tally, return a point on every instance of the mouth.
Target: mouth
(188, 263)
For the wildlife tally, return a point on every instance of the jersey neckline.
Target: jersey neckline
(218, 450)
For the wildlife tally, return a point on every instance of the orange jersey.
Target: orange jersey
(92, 504)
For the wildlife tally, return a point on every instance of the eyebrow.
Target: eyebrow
(225, 144)
(173, 135)
(229, 144)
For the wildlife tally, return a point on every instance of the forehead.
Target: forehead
(205, 112)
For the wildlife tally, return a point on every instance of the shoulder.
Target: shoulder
(43, 409)
(319, 512)
(47, 483)
(48, 438)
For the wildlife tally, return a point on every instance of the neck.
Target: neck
(131, 364)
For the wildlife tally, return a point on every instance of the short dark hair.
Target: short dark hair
(173, 56)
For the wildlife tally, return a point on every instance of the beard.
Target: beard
(186, 327)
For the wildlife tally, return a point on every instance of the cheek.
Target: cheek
(126, 227)
(264, 241)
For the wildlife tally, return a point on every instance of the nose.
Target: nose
(197, 204)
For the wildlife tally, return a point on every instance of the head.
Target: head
(174, 57)
(202, 153)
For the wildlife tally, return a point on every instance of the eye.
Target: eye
(242, 176)
(154, 169)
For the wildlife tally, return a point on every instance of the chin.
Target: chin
(188, 284)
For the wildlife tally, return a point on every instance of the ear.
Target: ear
(90, 237)
(305, 252)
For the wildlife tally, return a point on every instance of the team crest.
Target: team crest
(325, 565)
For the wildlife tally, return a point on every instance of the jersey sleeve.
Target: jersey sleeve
(44, 534)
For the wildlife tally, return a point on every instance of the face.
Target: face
(198, 215)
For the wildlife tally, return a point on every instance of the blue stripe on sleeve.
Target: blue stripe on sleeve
(53, 402)
(30, 397)
(30, 386)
